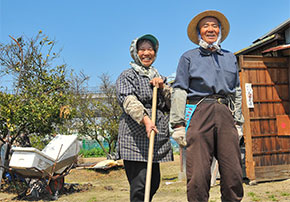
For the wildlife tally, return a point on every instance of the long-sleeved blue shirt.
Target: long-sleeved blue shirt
(201, 73)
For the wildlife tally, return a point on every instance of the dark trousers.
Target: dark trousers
(136, 173)
(212, 133)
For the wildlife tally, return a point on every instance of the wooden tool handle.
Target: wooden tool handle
(151, 147)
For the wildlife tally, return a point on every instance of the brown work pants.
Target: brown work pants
(212, 132)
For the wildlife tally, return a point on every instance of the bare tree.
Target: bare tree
(96, 114)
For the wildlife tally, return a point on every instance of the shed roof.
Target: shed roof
(256, 45)
(277, 29)
(266, 38)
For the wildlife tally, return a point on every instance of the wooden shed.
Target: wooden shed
(265, 82)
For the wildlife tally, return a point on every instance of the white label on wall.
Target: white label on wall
(249, 95)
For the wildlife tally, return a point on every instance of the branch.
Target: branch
(18, 132)
(21, 62)
(19, 48)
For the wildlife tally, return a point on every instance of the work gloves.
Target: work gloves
(179, 136)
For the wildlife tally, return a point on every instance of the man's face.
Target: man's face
(209, 29)
(146, 53)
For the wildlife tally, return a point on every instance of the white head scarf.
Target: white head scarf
(205, 45)
(149, 72)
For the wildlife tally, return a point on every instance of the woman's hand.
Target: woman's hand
(149, 125)
(158, 82)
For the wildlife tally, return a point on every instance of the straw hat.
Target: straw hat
(192, 30)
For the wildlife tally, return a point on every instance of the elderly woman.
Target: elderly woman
(134, 93)
(207, 77)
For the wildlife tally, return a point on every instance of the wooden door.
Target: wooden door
(267, 125)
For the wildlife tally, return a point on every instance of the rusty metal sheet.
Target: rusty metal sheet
(277, 48)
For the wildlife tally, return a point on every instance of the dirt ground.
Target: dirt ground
(112, 185)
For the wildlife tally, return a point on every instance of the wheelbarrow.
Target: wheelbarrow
(43, 170)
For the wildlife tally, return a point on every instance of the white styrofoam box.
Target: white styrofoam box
(62, 147)
(28, 161)
(29, 157)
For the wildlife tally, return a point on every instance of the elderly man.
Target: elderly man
(207, 76)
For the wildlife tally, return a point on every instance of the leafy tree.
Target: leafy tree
(97, 114)
(39, 102)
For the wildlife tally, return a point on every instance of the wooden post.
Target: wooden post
(182, 158)
(214, 171)
(288, 61)
(250, 164)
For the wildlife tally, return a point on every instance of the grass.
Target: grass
(272, 197)
(113, 185)
(94, 199)
(285, 194)
(253, 196)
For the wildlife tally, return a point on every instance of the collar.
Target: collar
(206, 52)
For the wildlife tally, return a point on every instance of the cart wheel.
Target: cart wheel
(56, 186)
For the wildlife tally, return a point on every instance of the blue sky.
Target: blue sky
(95, 35)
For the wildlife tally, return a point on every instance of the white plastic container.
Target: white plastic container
(62, 147)
(31, 162)
(28, 157)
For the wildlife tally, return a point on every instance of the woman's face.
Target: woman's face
(146, 53)
(209, 29)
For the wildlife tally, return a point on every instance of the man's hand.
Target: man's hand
(179, 136)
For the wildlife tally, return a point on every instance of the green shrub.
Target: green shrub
(95, 152)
